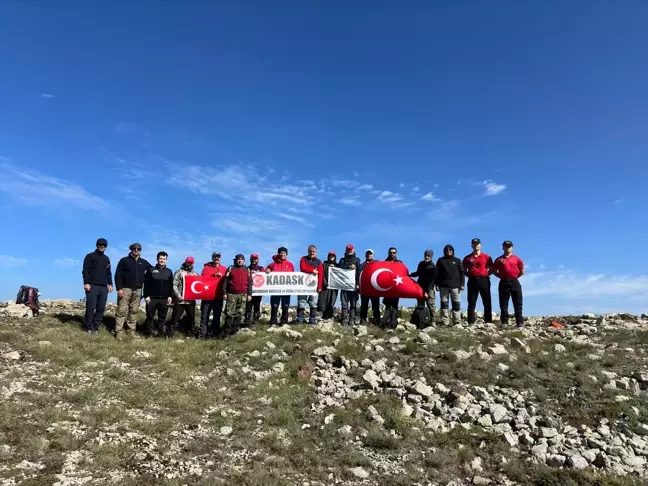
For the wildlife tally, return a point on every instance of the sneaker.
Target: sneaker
(88, 331)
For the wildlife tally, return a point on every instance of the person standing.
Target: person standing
(280, 263)
(391, 302)
(479, 267)
(349, 298)
(450, 282)
(237, 293)
(509, 268)
(313, 265)
(97, 283)
(212, 269)
(129, 280)
(427, 275)
(327, 297)
(158, 294)
(181, 307)
(364, 300)
(253, 306)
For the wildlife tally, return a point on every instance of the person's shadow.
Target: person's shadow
(66, 318)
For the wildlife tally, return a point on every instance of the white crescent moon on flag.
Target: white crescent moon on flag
(193, 287)
(374, 279)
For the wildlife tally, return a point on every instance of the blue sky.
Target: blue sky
(244, 126)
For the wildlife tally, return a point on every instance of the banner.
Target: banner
(341, 278)
(388, 279)
(284, 283)
(196, 287)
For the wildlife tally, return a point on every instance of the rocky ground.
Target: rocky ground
(321, 405)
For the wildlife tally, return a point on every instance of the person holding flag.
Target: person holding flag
(364, 299)
(280, 263)
(181, 306)
(212, 269)
(253, 306)
(313, 265)
(391, 302)
(349, 298)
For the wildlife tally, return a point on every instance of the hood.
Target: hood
(448, 248)
(276, 259)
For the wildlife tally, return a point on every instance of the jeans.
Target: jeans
(510, 288)
(96, 299)
(206, 308)
(450, 295)
(479, 286)
(275, 302)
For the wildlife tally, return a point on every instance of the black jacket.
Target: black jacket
(158, 283)
(96, 269)
(427, 274)
(347, 260)
(450, 272)
(326, 264)
(130, 273)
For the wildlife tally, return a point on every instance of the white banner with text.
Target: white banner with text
(284, 283)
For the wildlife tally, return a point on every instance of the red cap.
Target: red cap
(254, 255)
(189, 259)
(350, 247)
(332, 252)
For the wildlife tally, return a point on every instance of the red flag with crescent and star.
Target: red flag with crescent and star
(202, 288)
(388, 279)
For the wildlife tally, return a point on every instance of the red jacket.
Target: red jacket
(210, 270)
(308, 266)
(280, 266)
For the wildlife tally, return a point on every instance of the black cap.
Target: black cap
(239, 256)
(102, 241)
(475, 241)
(507, 243)
(134, 246)
(282, 248)
(216, 254)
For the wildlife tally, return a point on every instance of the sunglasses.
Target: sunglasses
(392, 252)
(101, 246)
(136, 249)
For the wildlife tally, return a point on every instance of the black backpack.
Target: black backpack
(421, 316)
(28, 296)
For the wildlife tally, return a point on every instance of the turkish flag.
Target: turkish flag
(201, 288)
(388, 279)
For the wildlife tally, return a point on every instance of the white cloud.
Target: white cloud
(390, 197)
(415, 189)
(349, 201)
(47, 95)
(365, 187)
(67, 262)
(492, 189)
(430, 197)
(7, 261)
(34, 188)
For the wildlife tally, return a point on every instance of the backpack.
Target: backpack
(390, 318)
(421, 316)
(29, 297)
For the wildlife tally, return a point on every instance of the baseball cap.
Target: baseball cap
(189, 259)
(350, 247)
(216, 254)
(254, 255)
(369, 250)
(332, 252)
(475, 241)
(507, 243)
(102, 241)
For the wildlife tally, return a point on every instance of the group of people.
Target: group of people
(135, 278)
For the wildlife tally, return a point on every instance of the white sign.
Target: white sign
(284, 283)
(341, 278)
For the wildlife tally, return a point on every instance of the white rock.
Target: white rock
(502, 369)
(359, 472)
(641, 429)
(324, 351)
(556, 460)
(372, 379)
(511, 439)
(329, 418)
(12, 355)
(225, 430)
(559, 348)
(394, 340)
(278, 367)
(407, 410)
(422, 389)
(360, 331)
(498, 349)
(424, 338)
(498, 413)
(270, 345)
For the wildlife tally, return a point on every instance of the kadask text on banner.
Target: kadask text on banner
(284, 283)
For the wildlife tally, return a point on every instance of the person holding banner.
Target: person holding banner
(327, 296)
(349, 298)
(212, 269)
(253, 306)
(364, 300)
(310, 264)
(180, 306)
(280, 263)
(238, 292)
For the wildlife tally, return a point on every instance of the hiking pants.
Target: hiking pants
(449, 295)
(307, 302)
(349, 301)
(234, 313)
(156, 305)
(430, 303)
(95, 306)
(127, 309)
(275, 302)
(326, 302)
(375, 308)
(391, 302)
(189, 311)
(253, 309)
(479, 286)
(510, 288)
(206, 308)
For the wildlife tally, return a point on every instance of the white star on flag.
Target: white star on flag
(206, 287)
(398, 280)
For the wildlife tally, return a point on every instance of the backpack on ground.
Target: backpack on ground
(390, 318)
(421, 316)
(29, 297)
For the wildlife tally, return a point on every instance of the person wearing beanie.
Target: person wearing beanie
(129, 280)
(237, 293)
(279, 263)
(479, 267)
(364, 300)
(327, 297)
(313, 265)
(97, 283)
(182, 308)
(349, 298)
(253, 307)
(509, 268)
(450, 282)
(427, 275)
(212, 269)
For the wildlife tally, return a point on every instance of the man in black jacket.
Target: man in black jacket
(158, 293)
(450, 281)
(327, 297)
(97, 282)
(253, 307)
(129, 280)
(364, 300)
(427, 275)
(349, 298)
(391, 302)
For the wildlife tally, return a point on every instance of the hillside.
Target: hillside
(325, 405)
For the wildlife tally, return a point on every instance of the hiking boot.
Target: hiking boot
(312, 320)
(300, 316)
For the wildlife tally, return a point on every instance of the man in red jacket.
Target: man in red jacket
(509, 268)
(280, 263)
(253, 307)
(211, 269)
(310, 264)
(478, 266)
(238, 292)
